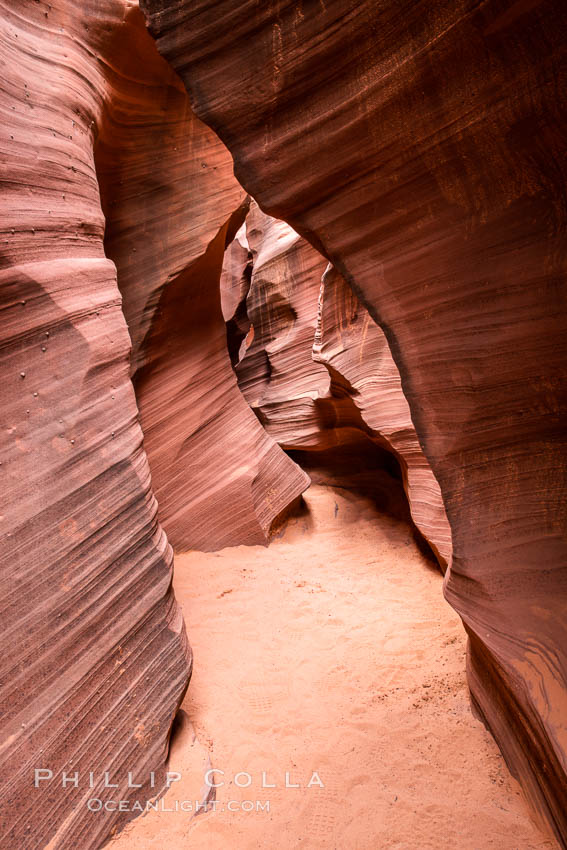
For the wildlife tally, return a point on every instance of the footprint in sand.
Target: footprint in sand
(263, 695)
(324, 810)
(296, 635)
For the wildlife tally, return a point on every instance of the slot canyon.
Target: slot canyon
(282, 466)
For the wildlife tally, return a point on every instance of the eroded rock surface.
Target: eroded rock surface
(234, 287)
(171, 203)
(317, 370)
(354, 349)
(422, 150)
(276, 371)
(94, 653)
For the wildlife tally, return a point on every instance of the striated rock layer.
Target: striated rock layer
(354, 349)
(421, 148)
(317, 370)
(234, 287)
(94, 653)
(171, 203)
(94, 657)
(276, 371)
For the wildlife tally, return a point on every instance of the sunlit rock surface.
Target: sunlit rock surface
(234, 288)
(316, 368)
(171, 204)
(422, 149)
(94, 654)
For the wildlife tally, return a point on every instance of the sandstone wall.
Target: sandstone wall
(94, 653)
(421, 148)
(318, 372)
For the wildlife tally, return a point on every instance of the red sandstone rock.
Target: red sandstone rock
(169, 194)
(219, 478)
(422, 150)
(318, 371)
(94, 653)
(276, 371)
(235, 280)
(234, 287)
(356, 351)
(102, 658)
(95, 656)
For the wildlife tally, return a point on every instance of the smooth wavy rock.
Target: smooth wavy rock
(220, 479)
(171, 200)
(234, 287)
(354, 349)
(317, 370)
(94, 654)
(276, 372)
(422, 150)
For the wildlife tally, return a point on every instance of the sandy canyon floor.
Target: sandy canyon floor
(332, 651)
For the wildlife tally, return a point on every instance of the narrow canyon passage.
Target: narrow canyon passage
(331, 650)
(283, 357)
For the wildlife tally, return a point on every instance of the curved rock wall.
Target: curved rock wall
(234, 287)
(170, 200)
(317, 370)
(276, 372)
(354, 349)
(421, 148)
(94, 654)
